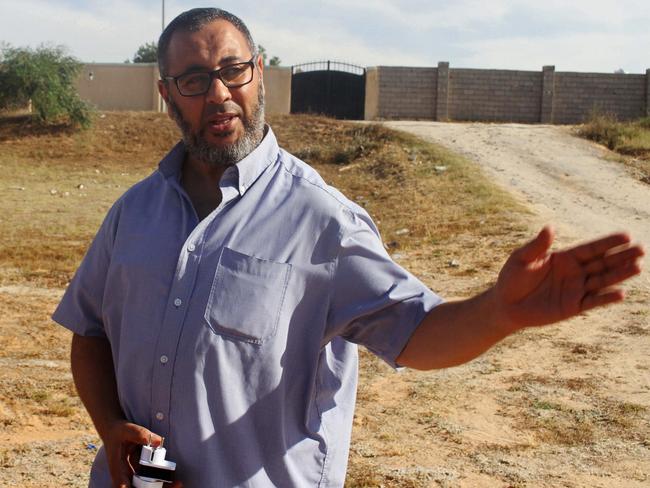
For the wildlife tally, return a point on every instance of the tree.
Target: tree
(274, 61)
(147, 53)
(261, 51)
(46, 76)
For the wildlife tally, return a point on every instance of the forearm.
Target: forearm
(454, 333)
(94, 376)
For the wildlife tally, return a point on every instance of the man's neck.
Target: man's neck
(201, 182)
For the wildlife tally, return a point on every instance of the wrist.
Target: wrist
(499, 315)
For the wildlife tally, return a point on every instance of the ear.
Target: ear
(163, 89)
(260, 67)
(260, 63)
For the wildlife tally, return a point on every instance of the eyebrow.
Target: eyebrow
(200, 68)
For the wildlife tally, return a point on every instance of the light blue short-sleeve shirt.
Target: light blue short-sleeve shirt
(234, 337)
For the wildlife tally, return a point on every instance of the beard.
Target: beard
(230, 154)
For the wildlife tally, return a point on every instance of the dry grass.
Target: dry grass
(58, 184)
(629, 139)
(430, 205)
(572, 412)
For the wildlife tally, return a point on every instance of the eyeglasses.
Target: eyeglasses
(232, 76)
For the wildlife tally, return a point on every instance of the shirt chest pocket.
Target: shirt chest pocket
(246, 297)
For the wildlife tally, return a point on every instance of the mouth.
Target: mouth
(221, 123)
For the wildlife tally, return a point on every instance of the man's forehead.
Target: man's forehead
(212, 43)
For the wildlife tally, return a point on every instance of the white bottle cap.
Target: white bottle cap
(146, 454)
(159, 455)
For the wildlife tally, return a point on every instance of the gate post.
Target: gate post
(548, 92)
(442, 92)
(647, 93)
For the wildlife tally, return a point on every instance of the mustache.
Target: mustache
(222, 108)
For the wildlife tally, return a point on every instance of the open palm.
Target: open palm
(536, 287)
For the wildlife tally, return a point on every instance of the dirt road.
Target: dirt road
(568, 181)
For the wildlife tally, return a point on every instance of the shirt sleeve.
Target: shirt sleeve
(80, 309)
(374, 301)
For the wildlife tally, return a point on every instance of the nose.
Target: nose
(217, 92)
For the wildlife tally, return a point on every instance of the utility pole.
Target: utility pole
(163, 14)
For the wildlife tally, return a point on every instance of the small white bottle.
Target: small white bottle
(153, 470)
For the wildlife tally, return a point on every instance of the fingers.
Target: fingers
(612, 269)
(137, 434)
(615, 260)
(124, 441)
(598, 248)
(124, 477)
(601, 299)
(121, 473)
(611, 277)
(608, 271)
(538, 247)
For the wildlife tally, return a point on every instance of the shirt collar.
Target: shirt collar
(245, 171)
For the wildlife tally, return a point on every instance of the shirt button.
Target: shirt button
(178, 302)
(191, 247)
(160, 416)
(164, 359)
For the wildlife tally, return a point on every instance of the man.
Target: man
(220, 302)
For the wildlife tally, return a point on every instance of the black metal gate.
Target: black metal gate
(329, 88)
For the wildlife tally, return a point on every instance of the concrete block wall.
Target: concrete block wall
(495, 95)
(577, 95)
(408, 93)
(545, 96)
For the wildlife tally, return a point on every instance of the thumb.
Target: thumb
(537, 248)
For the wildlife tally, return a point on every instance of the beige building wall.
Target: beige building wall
(120, 86)
(125, 86)
(277, 85)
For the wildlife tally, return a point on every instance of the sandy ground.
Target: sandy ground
(567, 373)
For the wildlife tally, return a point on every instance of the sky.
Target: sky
(572, 35)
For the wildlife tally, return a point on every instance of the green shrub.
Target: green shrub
(644, 122)
(46, 76)
(147, 53)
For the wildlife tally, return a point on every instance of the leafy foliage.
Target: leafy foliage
(147, 53)
(274, 61)
(46, 76)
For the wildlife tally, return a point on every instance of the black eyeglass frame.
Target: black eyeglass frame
(215, 74)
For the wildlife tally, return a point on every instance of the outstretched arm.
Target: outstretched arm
(534, 288)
